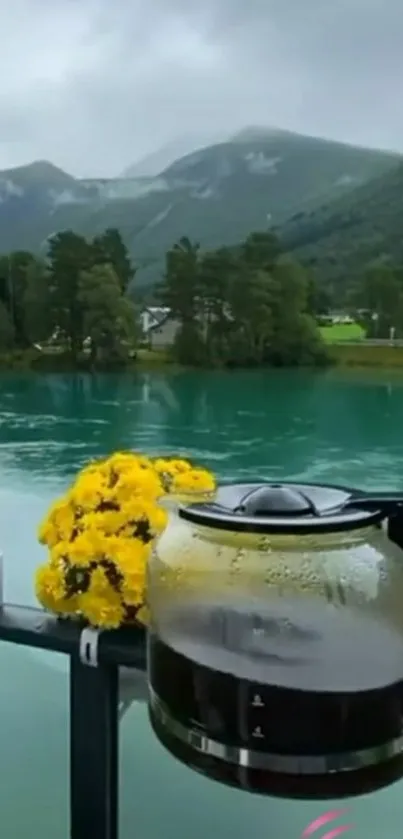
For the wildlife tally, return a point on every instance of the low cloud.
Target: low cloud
(93, 86)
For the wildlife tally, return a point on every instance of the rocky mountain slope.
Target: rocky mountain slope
(216, 195)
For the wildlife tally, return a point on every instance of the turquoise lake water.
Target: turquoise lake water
(336, 427)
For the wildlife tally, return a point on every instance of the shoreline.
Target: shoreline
(366, 355)
(347, 356)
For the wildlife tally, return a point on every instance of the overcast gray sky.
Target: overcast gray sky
(95, 84)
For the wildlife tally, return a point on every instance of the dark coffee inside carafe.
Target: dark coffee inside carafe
(248, 689)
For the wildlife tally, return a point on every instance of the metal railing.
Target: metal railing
(95, 659)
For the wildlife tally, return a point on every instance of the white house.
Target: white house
(152, 316)
(158, 327)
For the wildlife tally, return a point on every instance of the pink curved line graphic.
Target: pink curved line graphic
(325, 818)
(337, 831)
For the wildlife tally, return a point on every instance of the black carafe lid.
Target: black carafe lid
(267, 507)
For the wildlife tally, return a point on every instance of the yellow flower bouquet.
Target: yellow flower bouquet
(100, 534)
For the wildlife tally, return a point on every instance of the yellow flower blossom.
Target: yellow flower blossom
(59, 552)
(128, 460)
(47, 533)
(101, 605)
(110, 522)
(51, 592)
(171, 465)
(180, 477)
(58, 524)
(139, 509)
(64, 520)
(100, 535)
(128, 555)
(141, 482)
(87, 547)
(99, 583)
(198, 480)
(88, 491)
(133, 588)
(89, 521)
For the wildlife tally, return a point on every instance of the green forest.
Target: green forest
(74, 299)
(243, 306)
(340, 239)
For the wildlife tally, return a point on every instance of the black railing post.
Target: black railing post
(94, 743)
(395, 528)
(95, 659)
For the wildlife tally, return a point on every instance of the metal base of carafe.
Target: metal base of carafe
(277, 763)
(276, 784)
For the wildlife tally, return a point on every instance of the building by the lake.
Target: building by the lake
(158, 327)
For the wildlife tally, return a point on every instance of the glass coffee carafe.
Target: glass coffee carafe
(275, 651)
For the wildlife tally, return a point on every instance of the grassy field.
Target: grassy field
(342, 332)
(145, 356)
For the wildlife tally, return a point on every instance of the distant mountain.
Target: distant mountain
(219, 194)
(159, 160)
(155, 163)
(339, 238)
(258, 133)
(216, 195)
(41, 174)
